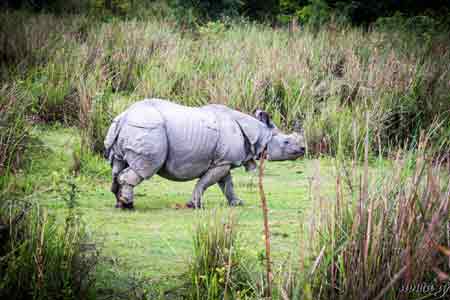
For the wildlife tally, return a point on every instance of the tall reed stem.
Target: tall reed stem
(266, 225)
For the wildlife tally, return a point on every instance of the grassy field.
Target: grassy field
(155, 240)
(374, 105)
(153, 245)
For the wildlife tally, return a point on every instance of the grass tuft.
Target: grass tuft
(218, 269)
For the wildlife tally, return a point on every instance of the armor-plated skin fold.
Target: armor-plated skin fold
(182, 143)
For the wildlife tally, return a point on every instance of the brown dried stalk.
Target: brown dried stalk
(266, 225)
(229, 263)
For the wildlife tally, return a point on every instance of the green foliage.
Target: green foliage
(115, 7)
(359, 12)
(316, 13)
(208, 8)
(421, 25)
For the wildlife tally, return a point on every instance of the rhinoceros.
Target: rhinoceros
(181, 143)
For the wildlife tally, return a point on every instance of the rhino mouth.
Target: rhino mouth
(297, 153)
(292, 155)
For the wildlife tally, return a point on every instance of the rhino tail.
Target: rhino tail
(111, 137)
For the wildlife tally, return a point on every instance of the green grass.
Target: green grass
(342, 83)
(155, 240)
(154, 244)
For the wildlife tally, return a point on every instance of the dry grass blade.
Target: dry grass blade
(396, 278)
(230, 260)
(317, 261)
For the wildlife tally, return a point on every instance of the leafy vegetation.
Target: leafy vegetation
(314, 12)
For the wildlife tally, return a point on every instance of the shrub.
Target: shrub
(316, 13)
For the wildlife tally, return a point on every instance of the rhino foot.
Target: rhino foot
(192, 205)
(129, 206)
(236, 202)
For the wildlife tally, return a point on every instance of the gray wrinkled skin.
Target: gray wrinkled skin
(183, 143)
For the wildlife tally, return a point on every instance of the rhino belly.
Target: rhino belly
(183, 171)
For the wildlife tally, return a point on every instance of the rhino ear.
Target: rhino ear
(250, 129)
(264, 117)
(257, 135)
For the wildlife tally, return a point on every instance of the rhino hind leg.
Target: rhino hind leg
(212, 176)
(140, 166)
(226, 185)
(127, 180)
(117, 167)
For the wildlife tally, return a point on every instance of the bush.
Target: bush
(315, 14)
(421, 24)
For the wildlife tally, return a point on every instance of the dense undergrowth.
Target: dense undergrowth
(384, 236)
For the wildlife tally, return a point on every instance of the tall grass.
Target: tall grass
(39, 258)
(383, 237)
(326, 79)
(218, 269)
(14, 131)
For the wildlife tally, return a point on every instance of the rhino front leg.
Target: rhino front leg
(212, 176)
(226, 185)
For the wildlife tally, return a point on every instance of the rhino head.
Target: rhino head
(282, 146)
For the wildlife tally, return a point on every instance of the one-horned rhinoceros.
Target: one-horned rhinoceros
(183, 143)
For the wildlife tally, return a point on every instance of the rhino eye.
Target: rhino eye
(286, 142)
